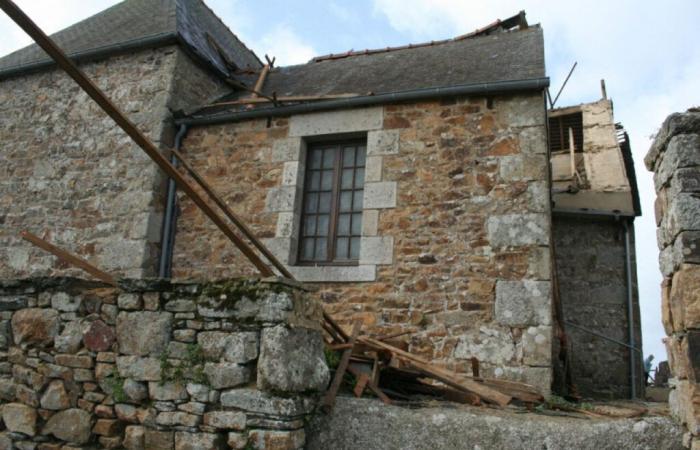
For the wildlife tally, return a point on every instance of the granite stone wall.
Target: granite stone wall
(456, 224)
(590, 261)
(153, 365)
(69, 174)
(674, 158)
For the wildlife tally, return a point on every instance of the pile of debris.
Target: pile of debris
(392, 373)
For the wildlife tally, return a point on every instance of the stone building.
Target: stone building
(412, 186)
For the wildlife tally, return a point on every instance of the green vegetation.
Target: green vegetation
(190, 369)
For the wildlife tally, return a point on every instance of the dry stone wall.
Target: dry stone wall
(154, 365)
(458, 215)
(674, 158)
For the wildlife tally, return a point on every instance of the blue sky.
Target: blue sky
(647, 51)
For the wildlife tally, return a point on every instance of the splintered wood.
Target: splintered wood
(392, 373)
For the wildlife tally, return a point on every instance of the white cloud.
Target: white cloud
(283, 43)
(50, 15)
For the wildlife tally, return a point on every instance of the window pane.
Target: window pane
(310, 225)
(325, 202)
(357, 224)
(343, 225)
(359, 178)
(345, 200)
(355, 248)
(327, 180)
(307, 249)
(349, 157)
(329, 158)
(321, 249)
(316, 157)
(346, 182)
(311, 203)
(314, 181)
(361, 152)
(322, 229)
(357, 202)
(341, 248)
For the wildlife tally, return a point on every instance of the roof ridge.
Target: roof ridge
(506, 25)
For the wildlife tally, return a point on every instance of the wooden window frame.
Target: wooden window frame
(562, 123)
(335, 201)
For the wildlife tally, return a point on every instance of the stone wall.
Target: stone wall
(456, 224)
(674, 158)
(69, 174)
(590, 261)
(154, 365)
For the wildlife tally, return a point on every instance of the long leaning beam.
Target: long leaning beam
(21, 19)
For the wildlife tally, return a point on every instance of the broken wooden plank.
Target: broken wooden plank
(68, 257)
(261, 80)
(475, 367)
(91, 89)
(329, 399)
(327, 317)
(485, 392)
(372, 386)
(361, 384)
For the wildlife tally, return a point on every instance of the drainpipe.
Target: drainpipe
(630, 310)
(168, 240)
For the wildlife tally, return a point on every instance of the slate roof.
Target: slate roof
(505, 56)
(134, 24)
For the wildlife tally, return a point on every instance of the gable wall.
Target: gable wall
(465, 219)
(69, 174)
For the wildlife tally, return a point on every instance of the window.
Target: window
(331, 221)
(559, 131)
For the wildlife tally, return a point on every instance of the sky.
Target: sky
(647, 52)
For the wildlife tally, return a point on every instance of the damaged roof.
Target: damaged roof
(516, 55)
(135, 24)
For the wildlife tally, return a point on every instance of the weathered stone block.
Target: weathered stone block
(283, 440)
(181, 305)
(226, 375)
(178, 418)
(107, 427)
(65, 303)
(134, 437)
(332, 122)
(19, 418)
(683, 150)
(692, 353)
(75, 361)
(158, 440)
(687, 247)
(71, 338)
(383, 142)
(225, 420)
(292, 360)
(55, 397)
(144, 332)
(683, 214)
(523, 168)
(290, 173)
(71, 425)
(13, 303)
(370, 222)
(129, 301)
(198, 441)
(376, 250)
(288, 149)
(518, 230)
(685, 297)
(379, 195)
(140, 369)
(281, 199)
(135, 391)
(99, 336)
(491, 345)
(675, 124)
(35, 326)
(537, 346)
(167, 391)
(237, 441)
(373, 169)
(523, 303)
(255, 401)
(198, 392)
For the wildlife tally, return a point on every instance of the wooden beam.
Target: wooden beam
(255, 99)
(361, 384)
(338, 329)
(247, 232)
(261, 80)
(21, 19)
(329, 399)
(68, 257)
(372, 386)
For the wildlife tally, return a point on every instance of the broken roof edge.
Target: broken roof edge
(498, 87)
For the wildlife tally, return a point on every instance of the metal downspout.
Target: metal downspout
(168, 240)
(630, 311)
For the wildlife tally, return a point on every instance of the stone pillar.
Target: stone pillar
(674, 158)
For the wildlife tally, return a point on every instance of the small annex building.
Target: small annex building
(427, 190)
